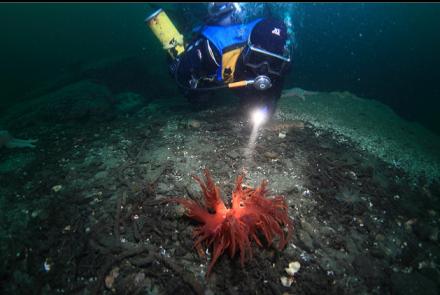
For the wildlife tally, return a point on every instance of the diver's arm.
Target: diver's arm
(197, 64)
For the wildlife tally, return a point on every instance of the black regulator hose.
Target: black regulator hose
(176, 78)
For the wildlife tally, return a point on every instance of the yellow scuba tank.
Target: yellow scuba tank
(166, 32)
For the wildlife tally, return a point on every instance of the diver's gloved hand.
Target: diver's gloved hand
(173, 66)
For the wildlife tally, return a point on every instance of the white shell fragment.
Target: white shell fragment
(286, 281)
(293, 268)
(47, 265)
(282, 134)
(57, 188)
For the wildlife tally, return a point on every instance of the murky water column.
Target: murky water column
(249, 152)
(258, 117)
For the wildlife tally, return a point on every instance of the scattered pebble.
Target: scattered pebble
(193, 124)
(306, 193)
(409, 223)
(271, 155)
(57, 188)
(110, 278)
(139, 278)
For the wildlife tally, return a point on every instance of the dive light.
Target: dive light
(261, 82)
(259, 116)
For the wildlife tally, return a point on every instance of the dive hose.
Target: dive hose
(176, 78)
(261, 82)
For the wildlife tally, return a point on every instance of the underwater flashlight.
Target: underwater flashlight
(261, 82)
(259, 116)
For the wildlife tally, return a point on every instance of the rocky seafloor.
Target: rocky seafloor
(82, 212)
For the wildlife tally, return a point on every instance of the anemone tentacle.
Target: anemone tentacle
(233, 229)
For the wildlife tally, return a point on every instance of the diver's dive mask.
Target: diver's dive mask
(263, 62)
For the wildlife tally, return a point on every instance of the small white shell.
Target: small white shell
(57, 188)
(293, 268)
(286, 281)
(47, 265)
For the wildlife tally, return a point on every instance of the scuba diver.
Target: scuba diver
(250, 58)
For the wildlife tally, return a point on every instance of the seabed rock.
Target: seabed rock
(129, 102)
(7, 140)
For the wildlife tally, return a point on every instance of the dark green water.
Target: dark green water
(381, 51)
(41, 41)
(387, 52)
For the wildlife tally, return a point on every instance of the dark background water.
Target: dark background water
(383, 51)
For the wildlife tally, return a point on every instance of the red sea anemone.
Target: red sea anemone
(232, 229)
